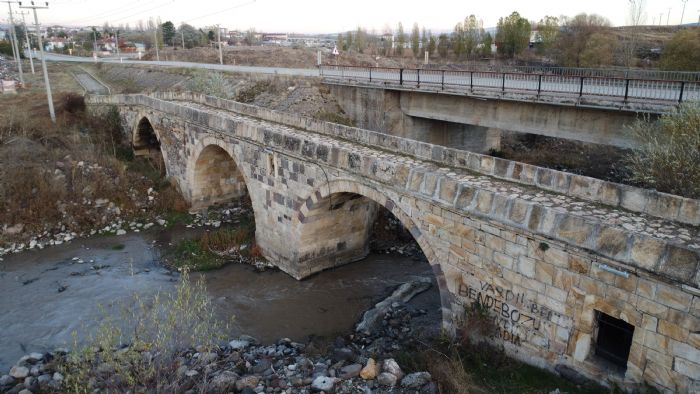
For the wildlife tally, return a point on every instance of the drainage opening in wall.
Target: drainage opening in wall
(613, 340)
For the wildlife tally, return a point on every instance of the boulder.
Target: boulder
(415, 380)
(323, 383)
(387, 379)
(223, 383)
(350, 371)
(370, 370)
(392, 367)
(18, 372)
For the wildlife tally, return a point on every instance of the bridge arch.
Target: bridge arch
(146, 142)
(214, 174)
(346, 209)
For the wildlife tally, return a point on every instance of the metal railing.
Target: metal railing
(580, 71)
(607, 88)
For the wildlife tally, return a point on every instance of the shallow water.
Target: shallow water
(46, 295)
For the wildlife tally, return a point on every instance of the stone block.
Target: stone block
(633, 198)
(690, 212)
(655, 341)
(686, 368)
(584, 187)
(609, 194)
(574, 229)
(646, 252)
(518, 211)
(526, 266)
(652, 308)
(484, 200)
(611, 242)
(582, 347)
(672, 331)
(673, 297)
(680, 263)
(658, 374)
(663, 205)
(430, 183)
(448, 190)
(465, 196)
(649, 322)
(684, 350)
(544, 273)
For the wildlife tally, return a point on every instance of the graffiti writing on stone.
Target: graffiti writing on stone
(513, 313)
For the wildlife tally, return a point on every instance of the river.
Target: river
(46, 295)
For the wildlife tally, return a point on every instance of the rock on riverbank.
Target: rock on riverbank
(357, 363)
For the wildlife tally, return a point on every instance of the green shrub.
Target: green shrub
(668, 155)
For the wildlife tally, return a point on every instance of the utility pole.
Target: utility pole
(29, 44)
(182, 33)
(685, 2)
(155, 40)
(43, 58)
(118, 43)
(668, 16)
(661, 15)
(218, 38)
(15, 42)
(94, 45)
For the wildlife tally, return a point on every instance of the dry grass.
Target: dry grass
(52, 173)
(668, 157)
(138, 352)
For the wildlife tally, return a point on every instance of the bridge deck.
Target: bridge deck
(632, 222)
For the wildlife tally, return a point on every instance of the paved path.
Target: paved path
(91, 85)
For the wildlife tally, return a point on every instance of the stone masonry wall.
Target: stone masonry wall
(543, 265)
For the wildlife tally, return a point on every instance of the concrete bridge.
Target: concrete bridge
(575, 272)
(468, 109)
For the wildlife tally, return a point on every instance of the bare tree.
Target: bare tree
(636, 17)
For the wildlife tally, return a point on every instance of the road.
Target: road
(552, 85)
(304, 72)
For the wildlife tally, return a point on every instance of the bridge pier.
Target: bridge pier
(381, 110)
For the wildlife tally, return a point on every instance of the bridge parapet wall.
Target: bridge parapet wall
(650, 202)
(544, 265)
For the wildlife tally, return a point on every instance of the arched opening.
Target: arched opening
(217, 178)
(364, 227)
(145, 143)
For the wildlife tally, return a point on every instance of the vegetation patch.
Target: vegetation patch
(334, 117)
(214, 249)
(138, 352)
(668, 156)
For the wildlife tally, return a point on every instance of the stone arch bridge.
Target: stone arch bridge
(554, 257)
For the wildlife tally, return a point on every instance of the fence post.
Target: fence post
(503, 83)
(539, 85)
(680, 96)
(627, 88)
(370, 74)
(471, 81)
(401, 76)
(443, 80)
(418, 77)
(580, 90)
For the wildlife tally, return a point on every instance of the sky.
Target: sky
(328, 16)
